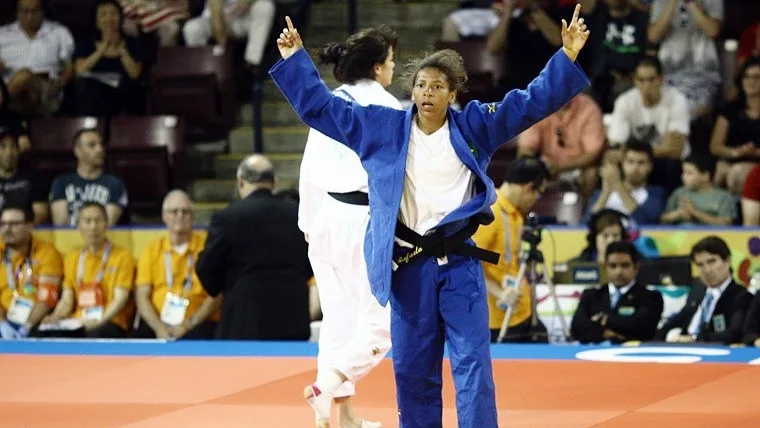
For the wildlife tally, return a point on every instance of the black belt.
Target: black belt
(437, 245)
(351, 198)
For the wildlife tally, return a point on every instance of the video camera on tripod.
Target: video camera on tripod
(532, 230)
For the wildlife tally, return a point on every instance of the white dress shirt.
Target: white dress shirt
(716, 292)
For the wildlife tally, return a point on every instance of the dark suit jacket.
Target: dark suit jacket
(730, 311)
(256, 256)
(752, 323)
(635, 316)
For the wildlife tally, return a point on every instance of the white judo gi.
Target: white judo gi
(355, 332)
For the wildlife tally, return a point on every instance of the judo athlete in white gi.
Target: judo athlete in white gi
(428, 193)
(333, 214)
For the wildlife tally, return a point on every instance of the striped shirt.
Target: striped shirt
(50, 48)
(151, 14)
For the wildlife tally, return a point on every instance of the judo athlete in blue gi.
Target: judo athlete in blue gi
(428, 193)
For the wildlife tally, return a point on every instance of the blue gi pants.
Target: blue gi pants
(430, 305)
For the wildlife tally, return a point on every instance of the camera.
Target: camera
(532, 230)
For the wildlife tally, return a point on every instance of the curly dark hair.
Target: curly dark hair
(448, 61)
(355, 58)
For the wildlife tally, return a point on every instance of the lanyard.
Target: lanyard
(103, 261)
(170, 273)
(14, 274)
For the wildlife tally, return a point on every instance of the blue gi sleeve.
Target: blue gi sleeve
(344, 121)
(489, 125)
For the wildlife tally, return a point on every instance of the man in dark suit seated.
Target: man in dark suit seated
(715, 310)
(622, 310)
(256, 256)
(752, 324)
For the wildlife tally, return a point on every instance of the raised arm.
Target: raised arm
(298, 80)
(491, 125)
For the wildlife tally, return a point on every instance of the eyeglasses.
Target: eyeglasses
(180, 211)
(12, 223)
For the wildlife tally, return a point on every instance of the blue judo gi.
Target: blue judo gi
(431, 303)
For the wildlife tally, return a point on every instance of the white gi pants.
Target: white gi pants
(355, 332)
(255, 25)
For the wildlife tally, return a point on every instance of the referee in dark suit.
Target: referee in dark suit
(256, 257)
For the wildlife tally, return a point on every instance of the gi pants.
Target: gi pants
(355, 333)
(433, 303)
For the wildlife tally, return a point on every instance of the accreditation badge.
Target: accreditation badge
(20, 310)
(174, 309)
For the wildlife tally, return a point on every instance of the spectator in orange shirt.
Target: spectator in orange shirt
(30, 275)
(97, 279)
(570, 142)
(170, 299)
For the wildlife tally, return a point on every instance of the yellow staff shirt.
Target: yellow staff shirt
(46, 261)
(504, 236)
(119, 272)
(151, 270)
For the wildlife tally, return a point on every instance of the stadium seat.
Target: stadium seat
(197, 85)
(77, 15)
(484, 69)
(147, 153)
(563, 205)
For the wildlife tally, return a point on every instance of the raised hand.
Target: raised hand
(574, 36)
(289, 41)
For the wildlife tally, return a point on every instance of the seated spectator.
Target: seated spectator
(752, 324)
(570, 142)
(12, 121)
(685, 31)
(698, 201)
(30, 276)
(749, 44)
(656, 114)
(604, 228)
(472, 19)
(160, 16)
(236, 18)
(630, 193)
(17, 188)
(97, 279)
(716, 309)
(35, 60)
(624, 309)
(170, 299)
(108, 68)
(736, 136)
(618, 38)
(88, 184)
(751, 198)
(528, 35)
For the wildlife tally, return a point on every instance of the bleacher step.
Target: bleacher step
(218, 191)
(276, 139)
(415, 38)
(395, 15)
(287, 165)
(204, 212)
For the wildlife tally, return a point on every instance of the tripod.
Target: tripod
(530, 259)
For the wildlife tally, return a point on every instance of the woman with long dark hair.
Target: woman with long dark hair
(333, 214)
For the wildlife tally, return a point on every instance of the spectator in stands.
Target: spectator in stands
(570, 142)
(108, 68)
(17, 188)
(160, 16)
(30, 276)
(656, 114)
(170, 299)
(604, 228)
(88, 184)
(525, 181)
(752, 324)
(618, 39)
(236, 18)
(630, 193)
(736, 136)
(716, 309)
(698, 201)
(472, 19)
(749, 44)
(10, 120)
(751, 198)
(528, 34)
(97, 279)
(624, 309)
(265, 289)
(35, 60)
(685, 30)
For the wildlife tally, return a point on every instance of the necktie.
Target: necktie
(706, 307)
(616, 295)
